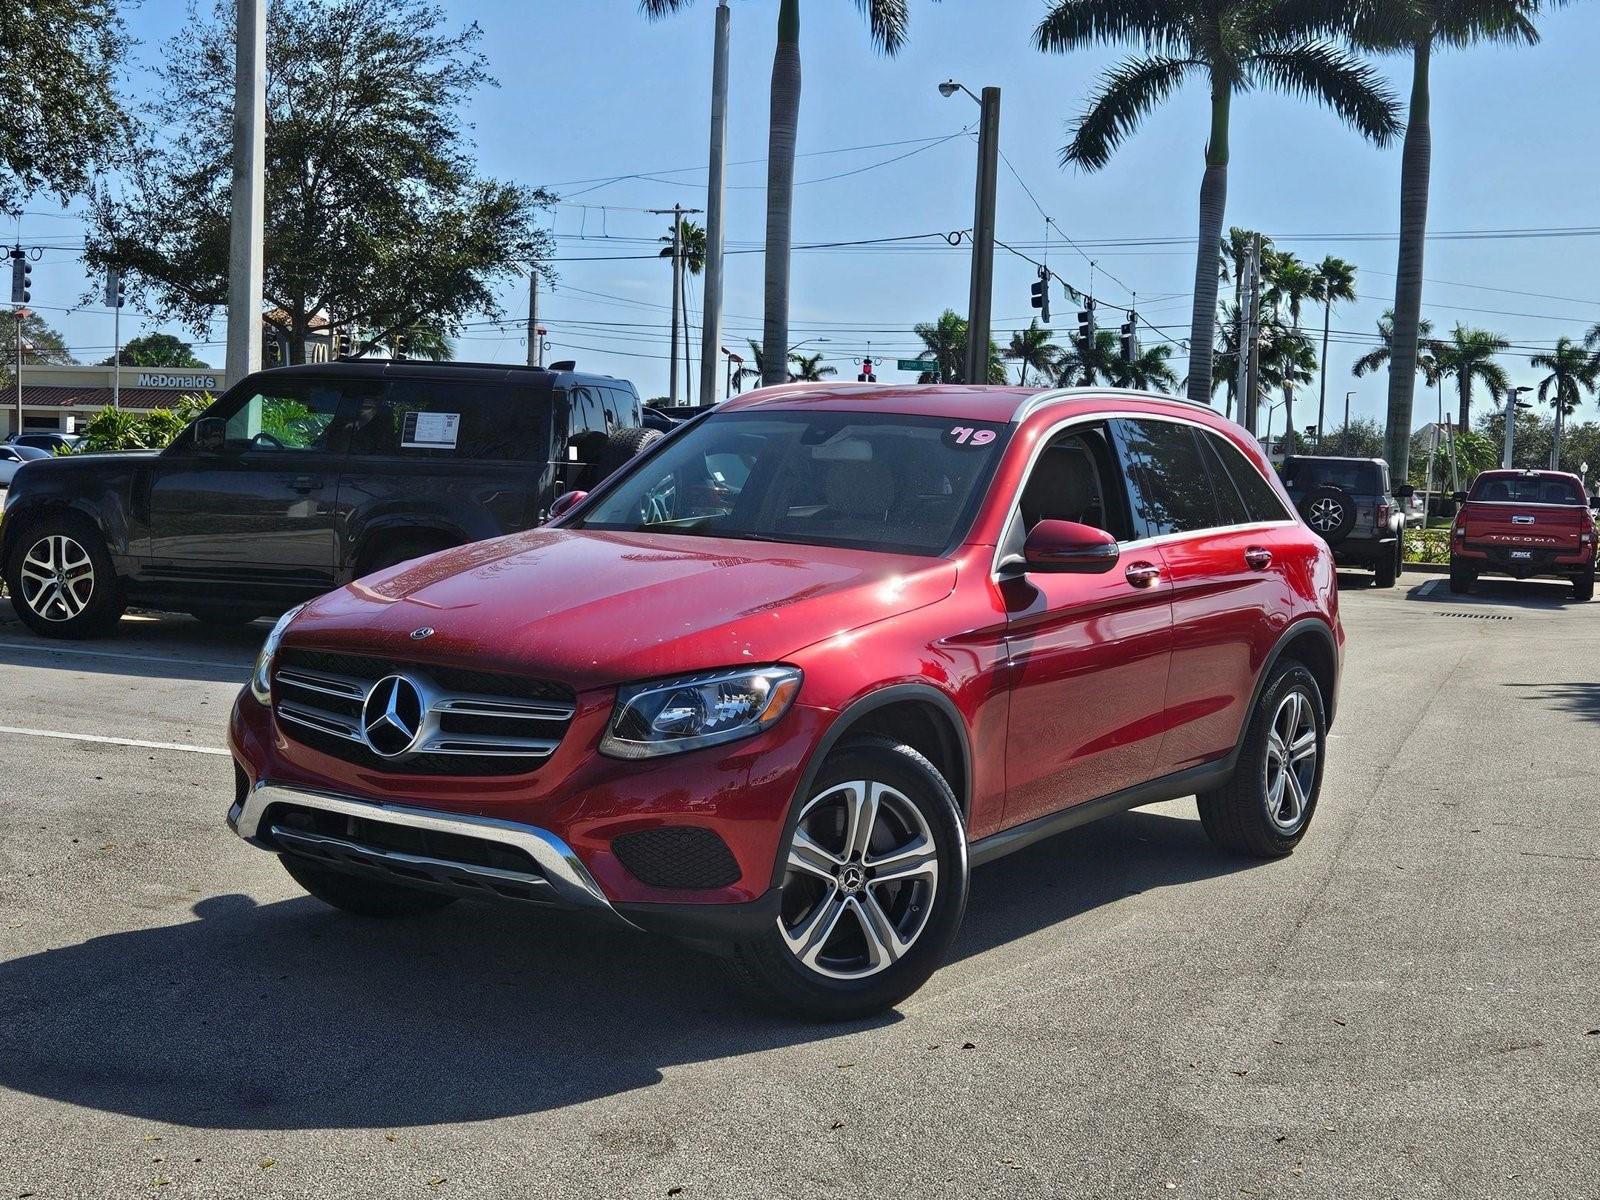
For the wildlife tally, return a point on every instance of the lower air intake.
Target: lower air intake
(679, 856)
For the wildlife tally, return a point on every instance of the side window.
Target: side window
(628, 410)
(1170, 487)
(290, 416)
(444, 420)
(1261, 500)
(1230, 504)
(586, 429)
(1075, 479)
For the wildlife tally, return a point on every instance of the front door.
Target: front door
(254, 521)
(1089, 654)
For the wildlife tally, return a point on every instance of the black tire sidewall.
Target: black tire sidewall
(105, 602)
(782, 980)
(620, 447)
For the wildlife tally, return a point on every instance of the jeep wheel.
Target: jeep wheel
(1583, 587)
(1387, 568)
(1330, 512)
(1462, 579)
(619, 448)
(1266, 807)
(360, 895)
(873, 891)
(61, 579)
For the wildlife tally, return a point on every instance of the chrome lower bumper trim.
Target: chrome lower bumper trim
(569, 881)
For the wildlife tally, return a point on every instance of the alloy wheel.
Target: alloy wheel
(1290, 766)
(57, 578)
(1326, 514)
(862, 873)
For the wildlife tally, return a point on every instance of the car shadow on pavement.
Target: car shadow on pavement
(154, 647)
(289, 1015)
(1547, 595)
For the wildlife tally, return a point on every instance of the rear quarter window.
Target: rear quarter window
(447, 420)
(1260, 498)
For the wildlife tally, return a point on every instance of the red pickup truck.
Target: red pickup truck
(1524, 524)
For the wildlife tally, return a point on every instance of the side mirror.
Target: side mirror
(1066, 547)
(1594, 502)
(565, 503)
(210, 435)
(1459, 497)
(1405, 491)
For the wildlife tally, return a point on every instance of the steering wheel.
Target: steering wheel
(265, 438)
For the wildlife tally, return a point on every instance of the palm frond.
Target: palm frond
(1349, 86)
(656, 9)
(1156, 25)
(890, 22)
(1463, 22)
(1127, 92)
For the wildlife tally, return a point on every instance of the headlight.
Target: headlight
(673, 715)
(261, 677)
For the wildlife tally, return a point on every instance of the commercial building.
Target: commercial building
(66, 398)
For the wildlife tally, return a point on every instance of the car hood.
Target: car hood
(593, 609)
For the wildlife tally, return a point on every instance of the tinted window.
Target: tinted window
(298, 416)
(1230, 505)
(1168, 481)
(625, 406)
(1261, 500)
(443, 419)
(877, 481)
(1358, 477)
(1531, 489)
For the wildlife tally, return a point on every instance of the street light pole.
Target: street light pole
(980, 295)
(1513, 399)
(711, 318)
(249, 164)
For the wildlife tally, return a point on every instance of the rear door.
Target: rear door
(1230, 595)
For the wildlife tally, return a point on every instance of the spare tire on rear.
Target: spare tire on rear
(620, 446)
(1330, 512)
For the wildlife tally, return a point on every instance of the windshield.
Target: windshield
(1529, 489)
(875, 481)
(31, 452)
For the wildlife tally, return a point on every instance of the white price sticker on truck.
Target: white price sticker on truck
(431, 430)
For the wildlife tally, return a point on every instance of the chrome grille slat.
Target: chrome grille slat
(503, 746)
(314, 719)
(327, 685)
(511, 710)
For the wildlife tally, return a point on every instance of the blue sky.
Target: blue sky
(590, 91)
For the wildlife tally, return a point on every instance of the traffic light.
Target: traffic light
(1086, 323)
(866, 375)
(400, 346)
(1041, 295)
(1130, 337)
(21, 276)
(114, 290)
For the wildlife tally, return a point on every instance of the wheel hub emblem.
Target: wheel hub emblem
(391, 716)
(851, 879)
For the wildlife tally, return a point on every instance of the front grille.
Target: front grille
(468, 722)
(679, 856)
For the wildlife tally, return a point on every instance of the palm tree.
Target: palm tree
(1378, 357)
(1032, 347)
(1416, 27)
(1287, 360)
(1150, 372)
(1573, 371)
(1467, 357)
(1289, 284)
(808, 368)
(1333, 282)
(752, 367)
(1234, 45)
(888, 21)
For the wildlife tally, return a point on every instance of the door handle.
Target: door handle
(1258, 558)
(304, 483)
(1143, 574)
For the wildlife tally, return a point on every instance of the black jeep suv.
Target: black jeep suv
(1347, 501)
(302, 478)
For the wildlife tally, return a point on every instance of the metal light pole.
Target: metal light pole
(1513, 402)
(534, 357)
(980, 297)
(711, 318)
(249, 162)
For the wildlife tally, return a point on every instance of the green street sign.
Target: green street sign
(917, 364)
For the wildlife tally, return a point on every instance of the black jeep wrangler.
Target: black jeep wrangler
(1347, 501)
(302, 478)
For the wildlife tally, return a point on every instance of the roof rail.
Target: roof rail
(1034, 403)
(371, 360)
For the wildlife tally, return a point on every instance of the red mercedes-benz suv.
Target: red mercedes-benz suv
(782, 682)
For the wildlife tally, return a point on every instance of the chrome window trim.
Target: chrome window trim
(1066, 423)
(1056, 395)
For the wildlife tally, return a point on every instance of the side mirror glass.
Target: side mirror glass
(210, 435)
(565, 503)
(1405, 491)
(1459, 497)
(1066, 547)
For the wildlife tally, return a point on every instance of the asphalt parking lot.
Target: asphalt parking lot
(1408, 1006)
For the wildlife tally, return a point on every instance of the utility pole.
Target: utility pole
(677, 212)
(981, 296)
(1513, 402)
(534, 354)
(114, 303)
(1555, 444)
(711, 319)
(1252, 350)
(249, 161)
(19, 314)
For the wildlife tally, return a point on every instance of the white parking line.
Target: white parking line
(110, 741)
(149, 658)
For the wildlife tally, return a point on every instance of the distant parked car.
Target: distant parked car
(13, 456)
(303, 478)
(50, 443)
(1524, 524)
(1347, 502)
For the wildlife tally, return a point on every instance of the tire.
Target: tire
(1248, 814)
(1330, 512)
(843, 977)
(1387, 567)
(84, 599)
(620, 446)
(360, 895)
(1583, 587)
(1462, 579)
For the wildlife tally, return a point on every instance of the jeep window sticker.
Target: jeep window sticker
(430, 430)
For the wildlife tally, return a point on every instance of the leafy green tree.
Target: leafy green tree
(1417, 27)
(1333, 282)
(809, 368)
(156, 350)
(1362, 438)
(58, 66)
(945, 341)
(1233, 45)
(130, 429)
(1102, 363)
(888, 21)
(1535, 436)
(1032, 348)
(40, 344)
(376, 217)
(1468, 357)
